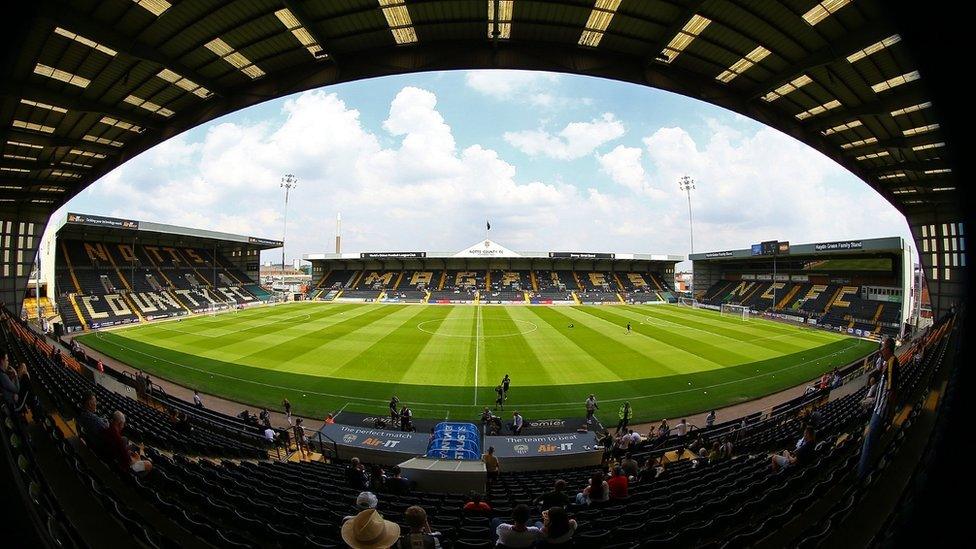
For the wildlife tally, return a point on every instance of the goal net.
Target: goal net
(740, 311)
(688, 301)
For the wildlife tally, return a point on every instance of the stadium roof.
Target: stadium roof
(489, 249)
(891, 244)
(88, 223)
(85, 85)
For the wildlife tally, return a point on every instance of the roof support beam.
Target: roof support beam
(902, 96)
(26, 90)
(75, 21)
(900, 143)
(298, 10)
(54, 141)
(918, 167)
(690, 10)
(835, 51)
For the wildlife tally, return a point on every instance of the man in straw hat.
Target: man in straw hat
(368, 530)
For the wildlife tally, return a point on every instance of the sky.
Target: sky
(554, 162)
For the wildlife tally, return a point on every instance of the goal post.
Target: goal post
(688, 302)
(740, 311)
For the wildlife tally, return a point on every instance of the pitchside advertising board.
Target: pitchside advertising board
(377, 440)
(99, 221)
(544, 445)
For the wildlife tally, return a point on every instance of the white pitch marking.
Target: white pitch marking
(477, 348)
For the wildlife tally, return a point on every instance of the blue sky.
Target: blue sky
(561, 162)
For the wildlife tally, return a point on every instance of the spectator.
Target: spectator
(682, 428)
(651, 470)
(197, 400)
(801, 454)
(396, 483)
(287, 407)
(710, 419)
(420, 536)
(836, 380)
(606, 440)
(476, 506)
(265, 417)
(301, 440)
(91, 424)
(368, 530)
(824, 381)
(377, 478)
(10, 384)
(24, 396)
(517, 533)
(557, 497)
(715, 453)
(127, 456)
(726, 449)
(356, 476)
(630, 466)
(596, 491)
(556, 526)
(635, 437)
(492, 467)
(269, 435)
(663, 429)
(618, 484)
(621, 445)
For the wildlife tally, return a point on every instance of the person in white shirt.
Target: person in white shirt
(518, 534)
(591, 408)
(517, 423)
(635, 437)
(710, 419)
(269, 434)
(682, 428)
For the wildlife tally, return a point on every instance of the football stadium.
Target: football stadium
(173, 383)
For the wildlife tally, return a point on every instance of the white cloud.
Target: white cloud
(533, 87)
(575, 140)
(624, 166)
(765, 185)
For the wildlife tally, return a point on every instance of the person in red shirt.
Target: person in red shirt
(117, 447)
(618, 484)
(475, 505)
(329, 419)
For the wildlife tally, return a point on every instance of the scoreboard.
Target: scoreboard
(771, 247)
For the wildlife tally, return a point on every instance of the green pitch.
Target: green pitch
(445, 361)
